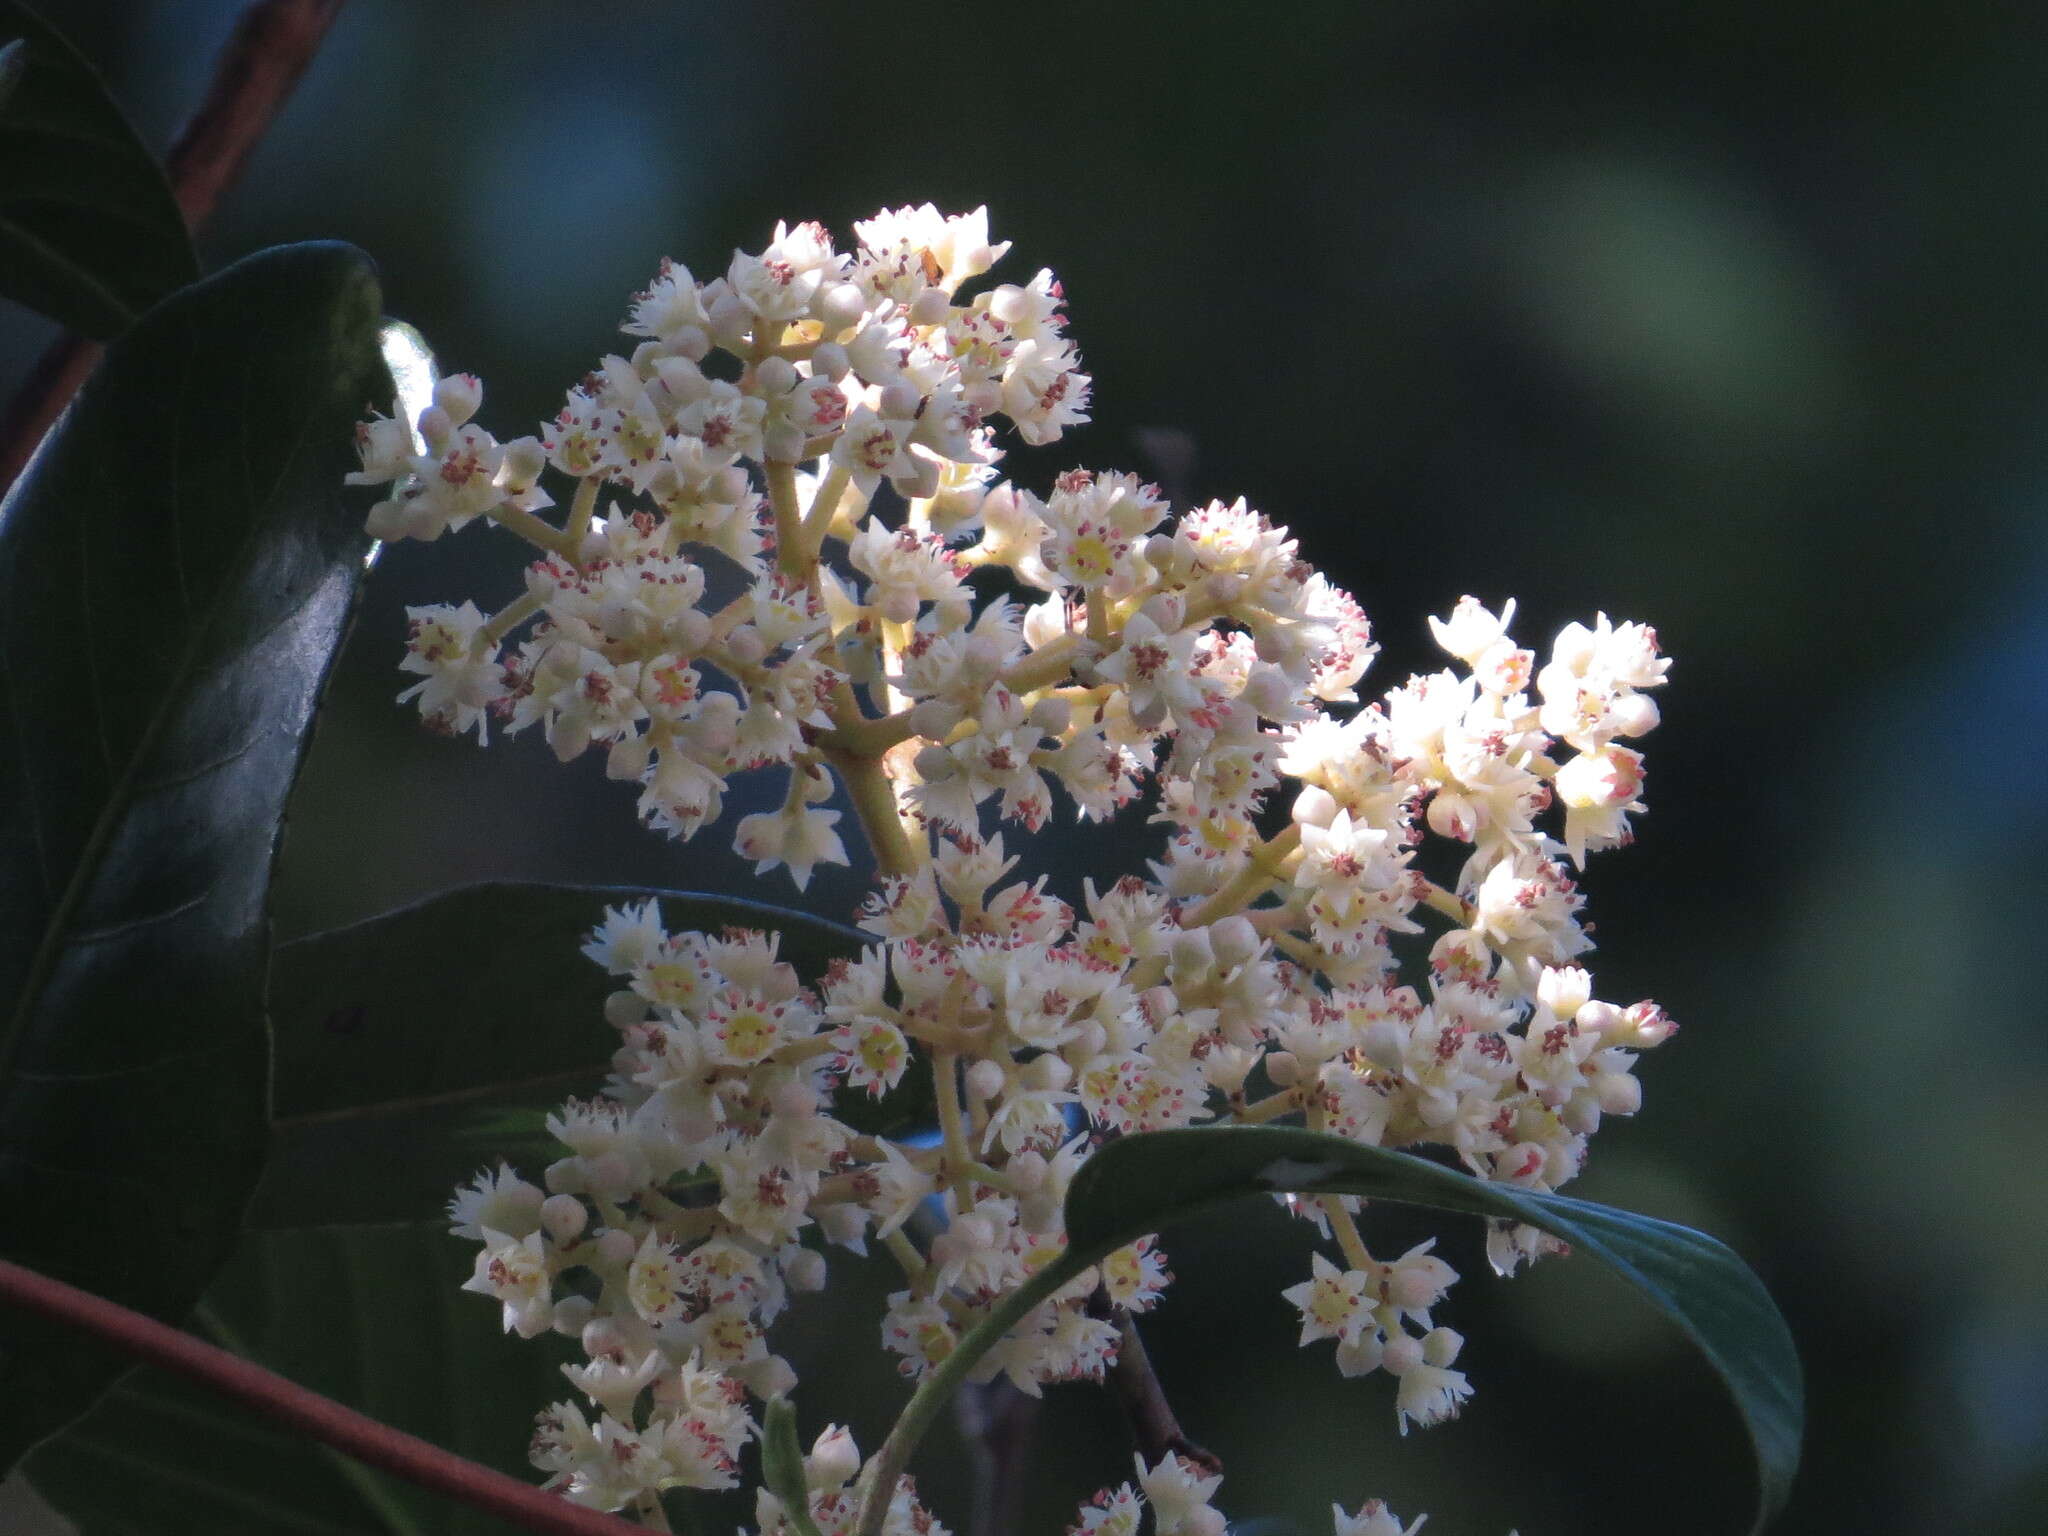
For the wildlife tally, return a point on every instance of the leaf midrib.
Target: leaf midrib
(120, 796)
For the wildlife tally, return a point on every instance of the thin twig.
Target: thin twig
(998, 1423)
(296, 1408)
(269, 50)
(1135, 1385)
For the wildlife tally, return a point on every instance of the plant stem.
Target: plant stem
(306, 1412)
(874, 803)
(370, 1489)
(271, 46)
(946, 1088)
(1155, 1430)
(790, 556)
(1250, 882)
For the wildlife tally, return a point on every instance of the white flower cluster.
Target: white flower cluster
(967, 660)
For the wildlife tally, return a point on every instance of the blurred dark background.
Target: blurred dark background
(1726, 317)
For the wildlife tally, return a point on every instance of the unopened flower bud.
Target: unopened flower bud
(829, 360)
(1314, 807)
(1284, 1068)
(616, 1246)
(900, 401)
(524, 460)
(572, 1315)
(1620, 1092)
(795, 1100)
(1564, 990)
(1052, 716)
(435, 428)
(775, 375)
(564, 1217)
(1168, 610)
(623, 1010)
(934, 764)
(1440, 1346)
(1402, 1354)
(1047, 1074)
(1224, 588)
(1191, 952)
(838, 307)
(746, 645)
(729, 487)
(934, 718)
(985, 1079)
(458, 395)
(1270, 693)
(772, 1377)
(833, 1460)
(929, 307)
(805, 1270)
(1027, 1171)
(604, 1339)
(629, 757)
(1235, 940)
(1633, 714)
(1169, 557)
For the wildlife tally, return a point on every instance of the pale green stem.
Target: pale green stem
(1045, 666)
(946, 1088)
(534, 531)
(1249, 883)
(504, 621)
(874, 802)
(1449, 903)
(582, 509)
(818, 520)
(790, 556)
(871, 738)
(1348, 1240)
(1271, 1107)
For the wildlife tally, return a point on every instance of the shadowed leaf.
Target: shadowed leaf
(175, 569)
(425, 1043)
(90, 234)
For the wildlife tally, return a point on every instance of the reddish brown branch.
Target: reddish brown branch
(40, 399)
(999, 1424)
(293, 1406)
(271, 46)
(1150, 1418)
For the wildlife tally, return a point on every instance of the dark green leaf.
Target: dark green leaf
(90, 234)
(372, 1316)
(175, 569)
(406, 1043)
(1142, 1183)
(1139, 1184)
(782, 1465)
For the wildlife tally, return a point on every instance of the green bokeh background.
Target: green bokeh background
(1728, 317)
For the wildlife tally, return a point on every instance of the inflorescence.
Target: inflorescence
(731, 590)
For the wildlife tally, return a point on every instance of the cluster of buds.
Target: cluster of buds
(731, 590)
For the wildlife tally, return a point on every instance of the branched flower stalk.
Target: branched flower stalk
(785, 549)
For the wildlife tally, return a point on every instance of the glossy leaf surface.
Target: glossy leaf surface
(176, 566)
